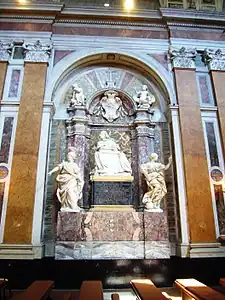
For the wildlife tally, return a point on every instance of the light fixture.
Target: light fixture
(129, 4)
(22, 1)
(106, 4)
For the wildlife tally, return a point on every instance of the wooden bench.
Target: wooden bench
(194, 289)
(91, 290)
(115, 296)
(222, 281)
(145, 289)
(38, 290)
(67, 296)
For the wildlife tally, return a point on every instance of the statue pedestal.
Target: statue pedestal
(111, 190)
(112, 235)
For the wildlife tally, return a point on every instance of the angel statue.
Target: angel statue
(144, 98)
(70, 183)
(77, 96)
(155, 179)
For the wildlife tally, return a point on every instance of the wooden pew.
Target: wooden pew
(115, 296)
(145, 289)
(194, 289)
(91, 290)
(38, 290)
(222, 281)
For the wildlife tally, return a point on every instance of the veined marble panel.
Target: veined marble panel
(100, 226)
(99, 250)
(155, 226)
(157, 249)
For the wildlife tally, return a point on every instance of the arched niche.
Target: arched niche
(95, 74)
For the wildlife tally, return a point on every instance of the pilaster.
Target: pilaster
(198, 194)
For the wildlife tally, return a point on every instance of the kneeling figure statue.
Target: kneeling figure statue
(70, 183)
(154, 176)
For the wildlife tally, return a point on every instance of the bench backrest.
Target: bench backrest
(36, 291)
(198, 290)
(91, 290)
(145, 290)
(222, 281)
(115, 296)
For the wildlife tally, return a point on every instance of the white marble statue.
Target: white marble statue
(144, 98)
(70, 183)
(154, 176)
(77, 96)
(110, 107)
(109, 159)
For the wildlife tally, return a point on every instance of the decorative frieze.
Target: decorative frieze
(37, 52)
(183, 58)
(215, 59)
(5, 51)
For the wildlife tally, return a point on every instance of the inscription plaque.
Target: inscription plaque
(111, 193)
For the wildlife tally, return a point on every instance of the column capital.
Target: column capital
(183, 57)
(215, 59)
(37, 52)
(5, 50)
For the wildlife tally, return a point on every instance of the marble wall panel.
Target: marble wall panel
(3, 68)
(157, 250)
(19, 215)
(14, 83)
(155, 226)
(25, 26)
(57, 153)
(99, 250)
(198, 35)
(162, 59)
(59, 54)
(100, 226)
(6, 139)
(90, 31)
(199, 201)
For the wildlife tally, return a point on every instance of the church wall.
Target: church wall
(22, 193)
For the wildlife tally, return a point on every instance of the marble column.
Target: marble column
(78, 136)
(144, 135)
(198, 194)
(22, 189)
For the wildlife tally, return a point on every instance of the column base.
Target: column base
(25, 251)
(206, 250)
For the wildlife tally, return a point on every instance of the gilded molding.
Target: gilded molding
(215, 59)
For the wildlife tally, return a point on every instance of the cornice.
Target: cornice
(26, 18)
(191, 14)
(107, 23)
(47, 6)
(99, 11)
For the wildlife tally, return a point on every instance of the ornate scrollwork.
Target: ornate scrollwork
(183, 58)
(215, 59)
(37, 52)
(5, 50)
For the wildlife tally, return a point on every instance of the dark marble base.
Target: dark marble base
(111, 193)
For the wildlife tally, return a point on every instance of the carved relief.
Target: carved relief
(110, 107)
(37, 52)
(5, 50)
(215, 59)
(183, 58)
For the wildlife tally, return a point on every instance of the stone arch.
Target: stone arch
(143, 62)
